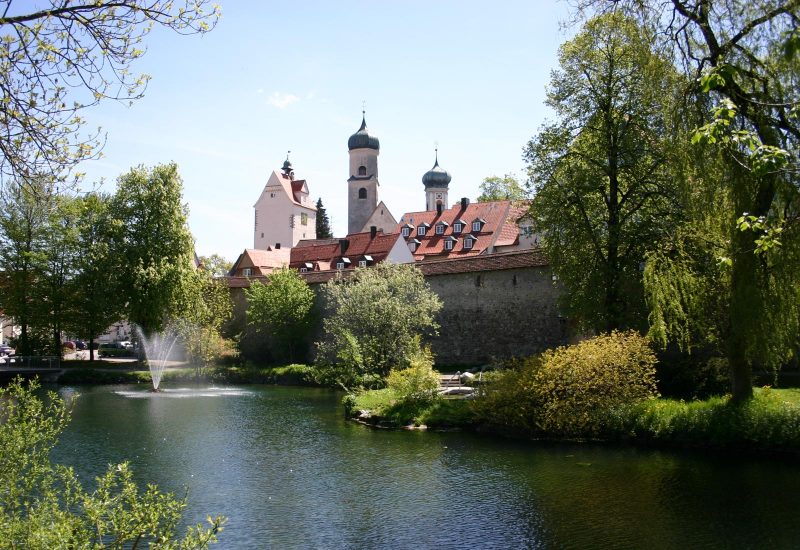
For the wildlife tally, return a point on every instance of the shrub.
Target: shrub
(574, 390)
(419, 382)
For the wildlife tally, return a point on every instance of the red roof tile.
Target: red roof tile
(327, 252)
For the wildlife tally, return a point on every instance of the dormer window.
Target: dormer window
(413, 244)
(365, 260)
(362, 263)
(449, 243)
(441, 227)
(422, 229)
(477, 224)
(406, 230)
(458, 226)
(339, 265)
(469, 240)
(303, 270)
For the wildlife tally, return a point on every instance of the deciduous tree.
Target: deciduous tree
(59, 57)
(375, 321)
(283, 307)
(600, 171)
(495, 188)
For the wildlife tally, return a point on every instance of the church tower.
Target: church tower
(436, 181)
(362, 185)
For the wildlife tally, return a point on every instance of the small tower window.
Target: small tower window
(362, 170)
(362, 193)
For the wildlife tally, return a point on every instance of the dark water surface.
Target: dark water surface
(290, 472)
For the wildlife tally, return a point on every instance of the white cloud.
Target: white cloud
(281, 100)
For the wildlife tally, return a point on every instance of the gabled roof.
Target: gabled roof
(291, 188)
(357, 245)
(260, 262)
(498, 227)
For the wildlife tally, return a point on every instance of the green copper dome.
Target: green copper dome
(362, 139)
(436, 176)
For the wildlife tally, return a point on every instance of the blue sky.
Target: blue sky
(278, 76)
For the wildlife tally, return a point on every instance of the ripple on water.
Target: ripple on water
(181, 393)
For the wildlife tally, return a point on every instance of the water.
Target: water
(157, 349)
(290, 472)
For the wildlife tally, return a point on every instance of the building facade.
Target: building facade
(284, 212)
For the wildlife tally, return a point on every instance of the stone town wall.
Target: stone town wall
(496, 315)
(494, 307)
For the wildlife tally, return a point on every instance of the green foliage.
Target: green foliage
(771, 420)
(59, 58)
(283, 307)
(43, 505)
(323, 223)
(603, 173)
(573, 390)
(153, 247)
(376, 317)
(387, 409)
(495, 188)
(418, 383)
(215, 265)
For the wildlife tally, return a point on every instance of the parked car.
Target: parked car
(113, 349)
(127, 344)
(81, 345)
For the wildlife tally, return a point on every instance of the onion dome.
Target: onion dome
(287, 166)
(436, 176)
(362, 139)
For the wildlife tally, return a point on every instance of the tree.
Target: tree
(283, 307)
(67, 56)
(323, 223)
(603, 184)
(215, 265)
(377, 316)
(23, 231)
(153, 247)
(96, 303)
(744, 55)
(495, 188)
(43, 505)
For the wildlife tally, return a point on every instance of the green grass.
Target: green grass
(769, 421)
(385, 407)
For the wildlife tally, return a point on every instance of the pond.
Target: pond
(289, 471)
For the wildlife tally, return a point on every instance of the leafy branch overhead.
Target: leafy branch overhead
(67, 56)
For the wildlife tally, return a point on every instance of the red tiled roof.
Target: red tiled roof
(532, 257)
(261, 261)
(499, 228)
(325, 254)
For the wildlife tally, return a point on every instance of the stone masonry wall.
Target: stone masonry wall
(496, 315)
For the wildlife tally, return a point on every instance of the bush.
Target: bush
(575, 390)
(419, 382)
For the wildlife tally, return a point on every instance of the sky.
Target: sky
(274, 77)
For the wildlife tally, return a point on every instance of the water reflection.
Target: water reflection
(290, 472)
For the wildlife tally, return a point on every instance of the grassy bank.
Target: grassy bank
(769, 422)
(133, 373)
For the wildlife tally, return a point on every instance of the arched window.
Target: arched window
(362, 193)
(362, 170)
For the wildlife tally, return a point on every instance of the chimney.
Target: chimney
(343, 244)
(373, 230)
(464, 203)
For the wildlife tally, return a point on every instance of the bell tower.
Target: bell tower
(362, 185)
(436, 181)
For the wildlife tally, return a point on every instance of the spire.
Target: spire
(287, 166)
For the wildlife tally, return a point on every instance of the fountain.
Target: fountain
(157, 349)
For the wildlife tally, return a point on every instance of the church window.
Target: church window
(303, 218)
(362, 193)
(362, 170)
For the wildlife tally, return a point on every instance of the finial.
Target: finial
(287, 155)
(436, 145)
